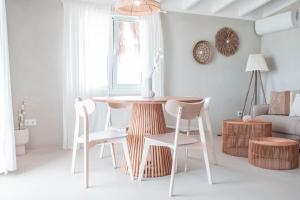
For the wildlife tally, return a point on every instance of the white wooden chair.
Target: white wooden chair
(108, 126)
(89, 139)
(175, 140)
(208, 132)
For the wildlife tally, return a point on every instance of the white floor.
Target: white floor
(45, 174)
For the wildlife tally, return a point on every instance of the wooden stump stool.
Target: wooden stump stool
(236, 134)
(273, 153)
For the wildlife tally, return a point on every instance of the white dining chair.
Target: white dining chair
(89, 139)
(109, 126)
(208, 132)
(175, 140)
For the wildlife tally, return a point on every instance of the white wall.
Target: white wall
(224, 79)
(35, 29)
(282, 51)
(35, 44)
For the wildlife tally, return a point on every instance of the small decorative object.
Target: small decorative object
(137, 7)
(148, 92)
(22, 138)
(21, 133)
(247, 118)
(21, 116)
(202, 52)
(256, 64)
(227, 41)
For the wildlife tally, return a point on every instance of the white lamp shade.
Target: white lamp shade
(256, 62)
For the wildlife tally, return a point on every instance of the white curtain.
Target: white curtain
(153, 45)
(86, 36)
(7, 137)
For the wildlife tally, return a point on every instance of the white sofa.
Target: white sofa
(282, 126)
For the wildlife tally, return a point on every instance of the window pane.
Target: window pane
(128, 57)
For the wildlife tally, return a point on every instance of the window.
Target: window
(127, 58)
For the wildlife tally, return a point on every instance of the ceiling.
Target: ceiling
(240, 9)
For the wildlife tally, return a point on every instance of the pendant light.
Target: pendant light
(137, 7)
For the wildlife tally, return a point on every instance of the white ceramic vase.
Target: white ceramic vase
(147, 92)
(22, 138)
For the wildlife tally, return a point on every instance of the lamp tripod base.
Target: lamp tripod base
(256, 75)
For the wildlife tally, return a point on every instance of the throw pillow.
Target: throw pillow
(280, 103)
(295, 109)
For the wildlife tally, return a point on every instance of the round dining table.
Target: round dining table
(147, 118)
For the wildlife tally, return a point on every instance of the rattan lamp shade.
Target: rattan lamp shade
(137, 7)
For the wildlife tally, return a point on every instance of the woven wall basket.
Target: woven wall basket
(202, 52)
(227, 41)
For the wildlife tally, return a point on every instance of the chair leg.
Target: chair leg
(74, 157)
(127, 157)
(176, 163)
(173, 172)
(186, 149)
(186, 160)
(205, 153)
(75, 143)
(102, 150)
(86, 166)
(144, 159)
(211, 140)
(213, 150)
(112, 150)
(207, 164)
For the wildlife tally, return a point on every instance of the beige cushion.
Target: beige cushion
(280, 103)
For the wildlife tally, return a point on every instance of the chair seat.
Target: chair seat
(104, 135)
(168, 138)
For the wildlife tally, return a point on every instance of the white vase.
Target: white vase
(22, 138)
(147, 92)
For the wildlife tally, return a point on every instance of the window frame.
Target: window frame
(114, 88)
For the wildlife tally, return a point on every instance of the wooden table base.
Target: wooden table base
(148, 119)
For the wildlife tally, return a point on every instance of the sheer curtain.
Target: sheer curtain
(7, 137)
(154, 47)
(86, 35)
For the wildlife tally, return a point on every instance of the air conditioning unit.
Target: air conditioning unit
(276, 23)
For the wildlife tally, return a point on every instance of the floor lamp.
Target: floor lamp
(256, 64)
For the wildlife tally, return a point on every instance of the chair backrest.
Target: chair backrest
(84, 107)
(206, 103)
(183, 110)
(113, 105)
(189, 111)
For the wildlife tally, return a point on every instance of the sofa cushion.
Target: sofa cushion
(283, 124)
(280, 103)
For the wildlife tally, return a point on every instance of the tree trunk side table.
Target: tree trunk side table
(273, 153)
(236, 134)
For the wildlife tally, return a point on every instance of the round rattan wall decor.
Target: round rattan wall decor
(227, 41)
(202, 52)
